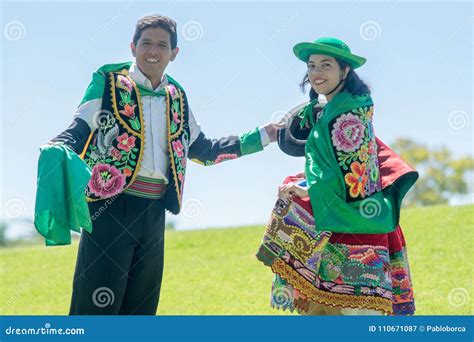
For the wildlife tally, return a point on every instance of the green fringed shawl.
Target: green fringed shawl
(343, 173)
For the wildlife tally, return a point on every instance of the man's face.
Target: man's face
(153, 51)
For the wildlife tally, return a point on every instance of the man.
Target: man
(135, 130)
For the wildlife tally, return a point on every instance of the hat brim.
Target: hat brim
(304, 50)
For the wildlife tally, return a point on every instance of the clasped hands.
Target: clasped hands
(286, 191)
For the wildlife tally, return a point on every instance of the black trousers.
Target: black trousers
(119, 265)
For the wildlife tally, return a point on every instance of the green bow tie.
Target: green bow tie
(147, 92)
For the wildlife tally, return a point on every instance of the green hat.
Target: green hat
(328, 46)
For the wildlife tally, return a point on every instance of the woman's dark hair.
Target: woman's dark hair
(353, 84)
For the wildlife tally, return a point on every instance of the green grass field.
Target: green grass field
(215, 271)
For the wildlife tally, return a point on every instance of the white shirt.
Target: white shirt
(155, 161)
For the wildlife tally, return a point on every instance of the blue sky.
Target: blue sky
(237, 65)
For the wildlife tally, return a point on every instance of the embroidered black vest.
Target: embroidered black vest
(115, 148)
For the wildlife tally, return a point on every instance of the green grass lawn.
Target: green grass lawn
(215, 271)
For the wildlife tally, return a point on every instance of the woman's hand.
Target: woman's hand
(272, 128)
(292, 189)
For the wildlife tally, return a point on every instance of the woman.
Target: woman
(333, 240)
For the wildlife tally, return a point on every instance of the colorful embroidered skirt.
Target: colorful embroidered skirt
(367, 271)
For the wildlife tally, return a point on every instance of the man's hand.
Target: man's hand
(291, 189)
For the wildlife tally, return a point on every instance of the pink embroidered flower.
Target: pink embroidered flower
(125, 82)
(126, 142)
(348, 133)
(106, 181)
(178, 148)
(224, 157)
(128, 111)
(116, 154)
(172, 90)
(176, 117)
(180, 177)
(356, 179)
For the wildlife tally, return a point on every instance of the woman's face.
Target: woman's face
(324, 73)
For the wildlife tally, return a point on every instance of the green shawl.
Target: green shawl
(60, 199)
(342, 169)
